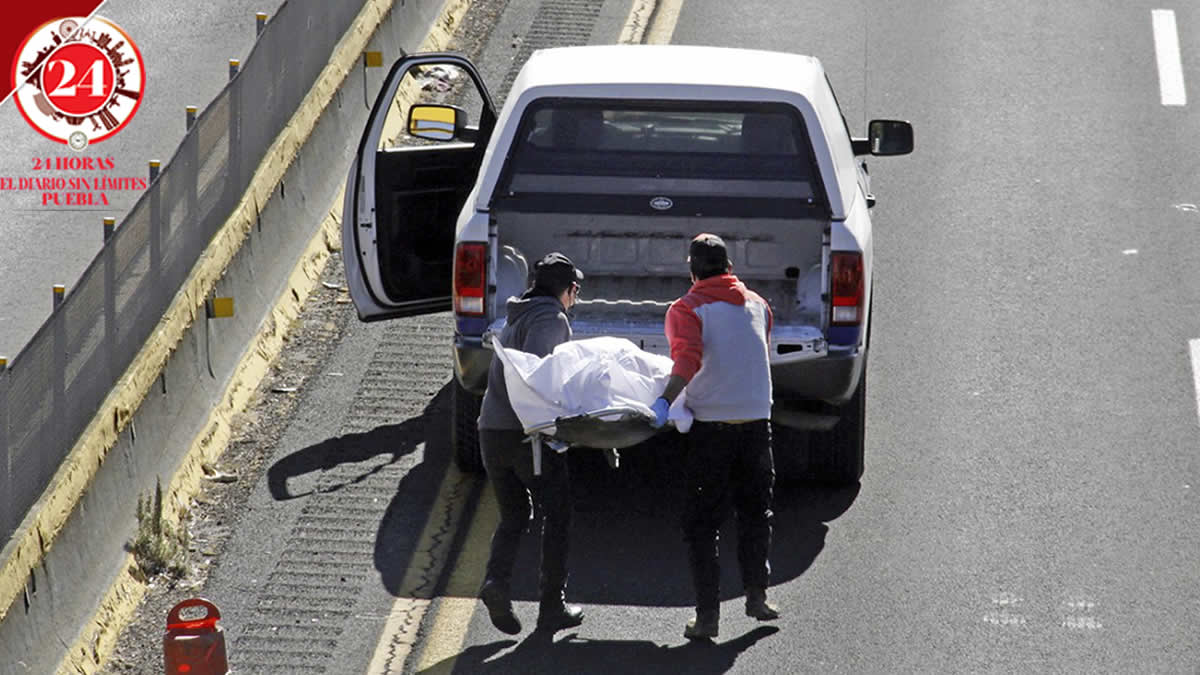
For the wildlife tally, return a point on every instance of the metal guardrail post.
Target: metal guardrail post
(50, 456)
(110, 300)
(7, 519)
(191, 158)
(155, 224)
(234, 178)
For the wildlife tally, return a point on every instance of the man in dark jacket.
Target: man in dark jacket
(537, 323)
(719, 335)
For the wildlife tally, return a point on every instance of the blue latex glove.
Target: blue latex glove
(660, 408)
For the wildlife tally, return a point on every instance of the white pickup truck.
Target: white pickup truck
(617, 156)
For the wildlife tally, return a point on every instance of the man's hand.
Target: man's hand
(661, 407)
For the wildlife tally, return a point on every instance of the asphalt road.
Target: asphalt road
(186, 47)
(1029, 502)
(1030, 499)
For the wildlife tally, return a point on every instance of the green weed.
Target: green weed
(160, 547)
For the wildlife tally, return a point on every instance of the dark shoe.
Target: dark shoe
(557, 616)
(704, 626)
(500, 609)
(757, 606)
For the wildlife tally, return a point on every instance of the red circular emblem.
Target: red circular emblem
(78, 80)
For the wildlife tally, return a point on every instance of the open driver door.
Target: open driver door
(416, 163)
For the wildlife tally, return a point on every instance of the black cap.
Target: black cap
(707, 252)
(555, 272)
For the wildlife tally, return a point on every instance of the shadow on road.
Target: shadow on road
(627, 548)
(397, 440)
(405, 517)
(539, 653)
(626, 543)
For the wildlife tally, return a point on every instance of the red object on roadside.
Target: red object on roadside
(195, 647)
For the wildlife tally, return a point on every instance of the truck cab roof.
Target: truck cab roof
(672, 65)
(679, 72)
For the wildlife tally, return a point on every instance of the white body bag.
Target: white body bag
(582, 377)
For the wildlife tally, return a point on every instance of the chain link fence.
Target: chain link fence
(55, 385)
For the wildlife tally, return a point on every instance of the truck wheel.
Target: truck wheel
(834, 456)
(843, 460)
(464, 430)
(844, 457)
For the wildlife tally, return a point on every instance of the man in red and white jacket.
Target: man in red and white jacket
(720, 334)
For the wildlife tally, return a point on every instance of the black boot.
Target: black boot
(704, 626)
(555, 615)
(757, 605)
(499, 606)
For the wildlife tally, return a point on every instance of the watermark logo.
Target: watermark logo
(78, 83)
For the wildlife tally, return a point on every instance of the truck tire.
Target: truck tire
(835, 457)
(842, 460)
(464, 429)
(846, 442)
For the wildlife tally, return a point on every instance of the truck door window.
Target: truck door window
(444, 84)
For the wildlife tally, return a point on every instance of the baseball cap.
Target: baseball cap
(555, 270)
(707, 251)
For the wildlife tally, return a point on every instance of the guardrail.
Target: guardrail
(55, 385)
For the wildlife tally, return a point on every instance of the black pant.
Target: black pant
(509, 464)
(728, 464)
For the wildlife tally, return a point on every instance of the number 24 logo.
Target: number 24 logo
(95, 72)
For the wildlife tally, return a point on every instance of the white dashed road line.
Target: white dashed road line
(1195, 349)
(1166, 49)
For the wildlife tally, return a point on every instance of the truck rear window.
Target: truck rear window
(611, 155)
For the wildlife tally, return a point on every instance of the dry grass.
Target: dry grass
(160, 547)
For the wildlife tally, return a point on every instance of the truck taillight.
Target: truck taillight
(470, 279)
(847, 286)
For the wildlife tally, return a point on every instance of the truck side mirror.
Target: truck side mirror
(890, 137)
(437, 122)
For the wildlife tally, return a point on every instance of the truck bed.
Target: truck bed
(635, 265)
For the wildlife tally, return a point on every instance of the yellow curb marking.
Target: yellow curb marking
(24, 551)
(400, 631)
(98, 639)
(662, 27)
(36, 535)
(639, 19)
(449, 627)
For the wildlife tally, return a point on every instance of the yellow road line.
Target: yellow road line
(420, 579)
(449, 627)
(636, 23)
(662, 24)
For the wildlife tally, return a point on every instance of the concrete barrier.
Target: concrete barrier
(66, 587)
